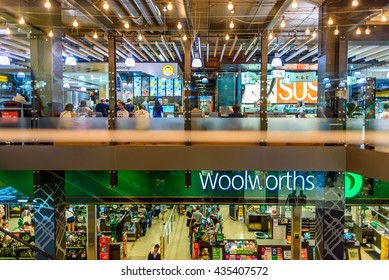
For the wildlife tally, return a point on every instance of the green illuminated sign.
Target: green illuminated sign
(354, 183)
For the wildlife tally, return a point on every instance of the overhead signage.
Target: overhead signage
(278, 73)
(248, 181)
(294, 92)
(168, 70)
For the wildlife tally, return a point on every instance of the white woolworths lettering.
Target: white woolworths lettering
(224, 182)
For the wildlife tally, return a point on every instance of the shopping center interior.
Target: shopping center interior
(118, 118)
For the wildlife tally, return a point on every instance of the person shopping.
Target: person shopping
(154, 255)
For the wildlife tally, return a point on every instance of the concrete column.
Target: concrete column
(49, 216)
(263, 99)
(91, 232)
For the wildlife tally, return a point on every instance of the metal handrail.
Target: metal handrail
(34, 248)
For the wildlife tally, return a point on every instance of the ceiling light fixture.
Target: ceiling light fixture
(140, 37)
(232, 25)
(271, 36)
(314, 33)
(227, 37)
(184, 37)
(336, 31)
(276, 62)
(196, 62)
(22, 20)
(7, 31)
(383, 17)
(283, 24)
(294, 4)
(179, 25)
(47, 4)
(164, 9)
(330, 21)
(355, 3)
(230, 6)
(232, 11)
(51, 33)
(4, 60)
(75, 22)
(307, 31)
(71, 61)
(359, 32)
(126, 25)
(170, 6)
(95, 36)
(105, 5)
(130, 61)
(367, 30)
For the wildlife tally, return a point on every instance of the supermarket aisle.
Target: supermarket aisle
(178, 247)
(139, 249)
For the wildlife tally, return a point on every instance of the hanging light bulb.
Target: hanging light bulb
(7, 31)
(336, 31)
(271, 36)
(75, 22)
(170, 6)
(140, 37)
(179, 25)
(359, 32)
(232, 25)
(105, 5)
(367, 30)
(330, 21)
(307, 31)
(126, 24)
(51, 33)
(230, 6)
(47, 4)
(294, 4)
(164, 9)
(95, 36)
(355, 3)
(184, 37)
(227, 37)
(383, 17)
(314, 33)
(283, 24)
(22, 20)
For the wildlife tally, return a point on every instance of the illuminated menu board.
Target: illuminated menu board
(145, 86)
(137, 86)
(153, 86)
(161, 87)
(169, 87)
(177, 87)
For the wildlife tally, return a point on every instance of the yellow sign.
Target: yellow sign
(168, 70)
(3, 79)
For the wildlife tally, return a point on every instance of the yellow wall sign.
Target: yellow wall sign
(168, 70)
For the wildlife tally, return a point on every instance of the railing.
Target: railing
(26, 244)
(201, 130)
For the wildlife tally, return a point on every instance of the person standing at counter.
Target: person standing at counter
(122, 113)
(157, 110)
(142, 215)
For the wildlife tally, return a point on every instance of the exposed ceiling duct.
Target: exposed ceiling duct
(144, 12)
(154, 9)
(132, 11)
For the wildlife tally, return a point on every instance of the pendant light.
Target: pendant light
(71, 61)
(276, 62)
(307, 31)
(367, 30)
(330, 21)
(314, 33)
(184, 37)
(75, 22)
(51, 33)
(230, 6)
(4, 60)
(105, 5)
(283, 24)
(196, 62)
(47, 4)
(95, 36)
(359, 32)
(22, 20)
(130, 62)
(232, 25)
(126, 25)
(140, 37)
(227, 37)
(355, 3)
(336, 31)
(294, 4)
(383, 17)
(179, 25)
(170, 6)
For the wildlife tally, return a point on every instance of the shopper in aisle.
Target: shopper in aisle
(129, 107)
(197, 217)
(154, 254)
(69, 215)
(163, 212)
(149, 209)
(236, 112)
(189, 214)
(142, 215)
(219, 218)
(216, 225)
(26, 215)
